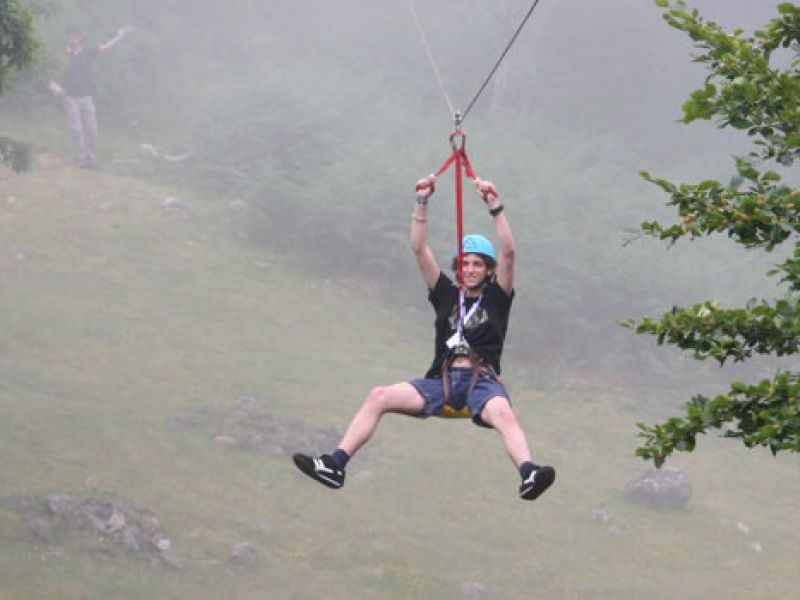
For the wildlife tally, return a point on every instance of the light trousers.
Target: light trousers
(82, 126)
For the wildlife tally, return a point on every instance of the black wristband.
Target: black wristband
(496, 211)
(422, 200)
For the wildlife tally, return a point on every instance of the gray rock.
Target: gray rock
(601, 514)
(613, 525)
(23, 503)
(171, 558)
(193, 419)
(261, 528)
(253, 441)
(617, 528)
(102, 516)
(60, 506)
(147, 521)
(41, 528)
(173, 204)
(743, 527)
(473, 589)
(243, 553)
(665, 488)
(163, 544)
(114, 522)
(253, 425)
(133, 540)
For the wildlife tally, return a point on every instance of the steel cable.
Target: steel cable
(459, 118)
(500, 60)
(431, 59)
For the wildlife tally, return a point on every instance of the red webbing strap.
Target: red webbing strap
(459, 221)
(461, 161)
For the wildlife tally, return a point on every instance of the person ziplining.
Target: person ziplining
(472, 315)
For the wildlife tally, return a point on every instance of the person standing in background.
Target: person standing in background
(77, 90)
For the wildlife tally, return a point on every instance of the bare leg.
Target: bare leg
(498, 413)
(399, 398)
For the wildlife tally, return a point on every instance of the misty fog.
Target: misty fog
(235, 276)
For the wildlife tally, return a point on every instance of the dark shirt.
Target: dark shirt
(485, 331)
(79, 76)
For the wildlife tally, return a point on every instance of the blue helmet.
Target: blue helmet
(475, 243)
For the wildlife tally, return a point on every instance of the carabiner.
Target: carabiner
(453, 137)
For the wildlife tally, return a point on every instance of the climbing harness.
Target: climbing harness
(459, 347)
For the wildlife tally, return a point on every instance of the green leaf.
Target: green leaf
(770, 176)
(757, 208)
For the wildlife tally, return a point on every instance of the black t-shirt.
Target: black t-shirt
(79, 76)
(485, 330)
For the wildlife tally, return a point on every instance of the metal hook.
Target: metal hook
(453, 136)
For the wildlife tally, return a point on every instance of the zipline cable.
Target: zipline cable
(459, 156)
(500, 60)
(457, 116)
(431, 59)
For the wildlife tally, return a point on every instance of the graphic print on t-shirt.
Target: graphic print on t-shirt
(479, 317)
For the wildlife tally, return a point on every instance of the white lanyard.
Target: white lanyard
(464, 316)
(457, 339)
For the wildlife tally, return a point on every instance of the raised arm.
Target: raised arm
(502, 230)
(121, 33)
(419, 233)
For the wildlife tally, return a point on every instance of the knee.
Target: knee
(378, 399)
(498, 414)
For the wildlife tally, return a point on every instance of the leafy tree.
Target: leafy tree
(17, 40)
(17, 50)
(753, 85)
(14, 154)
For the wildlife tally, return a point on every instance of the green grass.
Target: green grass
(117, 315)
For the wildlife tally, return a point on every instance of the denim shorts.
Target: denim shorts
(485, 388)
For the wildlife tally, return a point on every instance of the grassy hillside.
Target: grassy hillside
(125, 315)
(322, 114)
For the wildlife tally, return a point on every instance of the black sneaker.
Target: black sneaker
(537, 482)
(320, 468)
